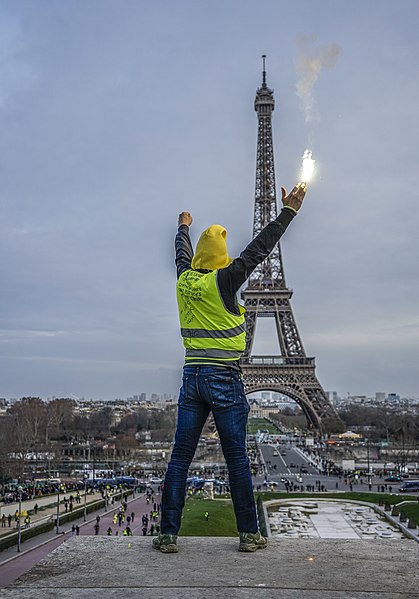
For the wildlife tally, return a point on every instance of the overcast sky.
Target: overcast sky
(116, 115)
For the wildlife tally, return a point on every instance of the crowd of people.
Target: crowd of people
(67, 501)
(6, 521)
(33, 490)
(123, 519)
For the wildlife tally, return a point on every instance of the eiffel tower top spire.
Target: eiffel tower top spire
(264, 102)
(270, 273)
(264, 71)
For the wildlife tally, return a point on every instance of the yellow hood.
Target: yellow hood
(211, 250)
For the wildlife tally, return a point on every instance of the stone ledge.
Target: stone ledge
(208, 568)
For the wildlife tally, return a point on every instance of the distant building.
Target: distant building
(333, 398)
(261, 411)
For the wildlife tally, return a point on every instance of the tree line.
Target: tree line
(378, 423)
(31, 427)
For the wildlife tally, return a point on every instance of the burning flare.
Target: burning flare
(307, 166)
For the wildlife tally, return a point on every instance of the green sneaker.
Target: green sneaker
(251, 541)
(165, 543)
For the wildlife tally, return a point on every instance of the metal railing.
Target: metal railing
(277, 361)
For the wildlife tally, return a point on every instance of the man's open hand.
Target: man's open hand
(296, 197)
(185, 218)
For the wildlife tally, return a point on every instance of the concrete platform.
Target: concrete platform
(208, 568)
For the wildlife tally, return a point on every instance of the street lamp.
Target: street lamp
(58, 511)
(85, 497)
(19, 489)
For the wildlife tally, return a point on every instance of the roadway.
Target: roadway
(285, 462)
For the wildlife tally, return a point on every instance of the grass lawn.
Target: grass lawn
(221, 521)
(411, 511)
(258, 424)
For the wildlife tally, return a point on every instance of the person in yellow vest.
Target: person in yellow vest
(213, 329)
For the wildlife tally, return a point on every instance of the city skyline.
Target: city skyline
(115, 120)
(378, 396)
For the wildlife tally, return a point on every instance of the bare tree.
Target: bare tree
(59, 418)
(7, 464)
(28, 422)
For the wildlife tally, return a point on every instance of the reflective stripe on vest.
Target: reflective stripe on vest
(213, 353)
(213, 334)
(209, 331)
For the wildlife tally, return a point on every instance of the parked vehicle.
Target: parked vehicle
(270, 483)
(155, 480)
(129, 481)
(409, 485)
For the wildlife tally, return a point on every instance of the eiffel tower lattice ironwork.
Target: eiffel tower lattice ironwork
(267, 295)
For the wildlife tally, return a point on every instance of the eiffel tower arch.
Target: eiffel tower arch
(267, 295)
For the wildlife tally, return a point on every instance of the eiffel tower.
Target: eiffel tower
(267, 295)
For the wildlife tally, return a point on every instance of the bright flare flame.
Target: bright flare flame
(307, 166)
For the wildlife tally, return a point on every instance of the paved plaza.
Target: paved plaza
(209, 568)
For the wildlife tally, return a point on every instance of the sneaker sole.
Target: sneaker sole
(167, 548)
(251, 548)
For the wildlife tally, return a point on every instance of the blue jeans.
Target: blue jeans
(219, 390)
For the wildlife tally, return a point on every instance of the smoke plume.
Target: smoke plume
(310, 62)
